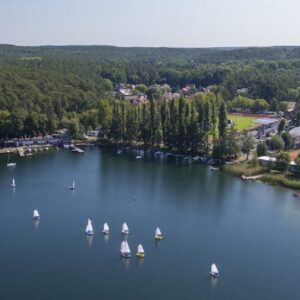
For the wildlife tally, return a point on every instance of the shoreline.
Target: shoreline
(239, 169)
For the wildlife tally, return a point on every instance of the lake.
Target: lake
(249, 229)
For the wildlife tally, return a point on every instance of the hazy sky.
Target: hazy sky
(179, 23)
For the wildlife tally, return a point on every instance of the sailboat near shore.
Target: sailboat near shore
(214, 271)
(10, 164)
(140, 251)
(36, 215)
(89, 228)
(125, 250)
(105, 229)
(158, 235)
(125, 229)
(13, 183)
(72, 187)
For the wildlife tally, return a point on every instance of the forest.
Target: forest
(50, 87)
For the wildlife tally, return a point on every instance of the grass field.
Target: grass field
(242, 122)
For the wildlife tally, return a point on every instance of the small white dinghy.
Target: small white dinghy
(13, 183)
(214, 271)
(125, 229)
(158, 235)
(89, 228)
(72, 187)
(125, 250)
(140, 251)
(10, 164)
(36, 215)
(105, 228)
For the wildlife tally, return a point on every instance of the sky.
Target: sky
(151, 23)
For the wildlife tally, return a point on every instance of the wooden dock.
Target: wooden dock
(244, 177)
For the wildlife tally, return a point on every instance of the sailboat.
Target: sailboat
(138, 154)
(214, 271)
(36, 215)
(13, 183)
(125, 229)
(72, 187)
(140, 251)
(158, 235)
(125, 250)
(105, 228)
(89, 228)
(10, 165)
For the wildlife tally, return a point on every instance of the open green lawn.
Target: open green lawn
(242, 122)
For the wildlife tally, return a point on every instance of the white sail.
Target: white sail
(125, 228)
(158, 232)
(140, 249)
(89, 227)
(36, 214)
(13, 182)
(105, 227)
(122, 247)
(214, 269)
(73, 186)
(126, 248)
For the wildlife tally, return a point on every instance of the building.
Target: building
(267, 125)
(295, 135)
(267, 161)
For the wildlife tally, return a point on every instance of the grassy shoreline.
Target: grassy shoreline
(284, 179)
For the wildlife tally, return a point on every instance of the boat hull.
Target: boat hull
(105, 231)
(11, 165)
(140, 255)
(214, 275)
(89, 232)
(36, 218)
(125, 232)
(125, 255)
(158, 237)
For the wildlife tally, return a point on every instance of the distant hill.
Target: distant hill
(153, 55)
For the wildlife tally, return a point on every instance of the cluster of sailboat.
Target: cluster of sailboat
(124, 249)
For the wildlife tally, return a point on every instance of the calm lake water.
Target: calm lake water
(249, 229)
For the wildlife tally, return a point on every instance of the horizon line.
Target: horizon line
(153, 47)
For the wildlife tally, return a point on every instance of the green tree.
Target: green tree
(247, 145)
(287, 140)
(261, 149)
(281, 125)
(276, 143)
(222, 128)
(283, 160)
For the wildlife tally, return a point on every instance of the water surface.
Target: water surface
(249, 229)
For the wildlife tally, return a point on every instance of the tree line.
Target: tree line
(198, 125)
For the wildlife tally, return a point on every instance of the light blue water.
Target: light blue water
(249, 229)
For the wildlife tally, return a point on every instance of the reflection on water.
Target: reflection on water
(106, 237)
(157, 243)
(140, 261)
(213, 282)
(89, 239)
(36, 224)
(125, 262)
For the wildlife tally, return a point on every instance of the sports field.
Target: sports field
(242, 122)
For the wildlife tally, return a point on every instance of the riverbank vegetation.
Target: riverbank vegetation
(47, 88)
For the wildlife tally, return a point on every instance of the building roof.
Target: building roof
(291, 106)
(266, 121)
(295, 132)
(267, 158)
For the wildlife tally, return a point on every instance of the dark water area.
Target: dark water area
(249, 229)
